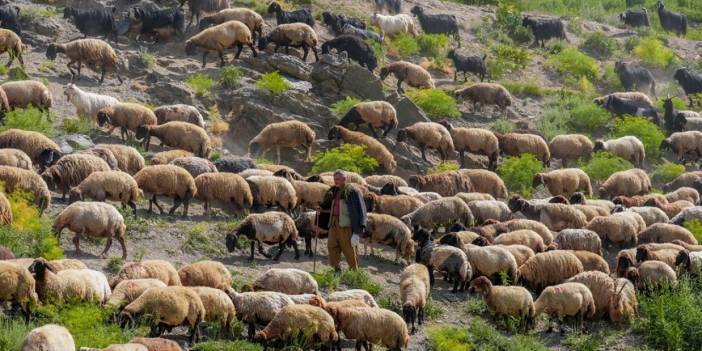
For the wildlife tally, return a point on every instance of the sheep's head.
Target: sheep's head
(384, 72)
(683, 258)
(390, 189)
(417, 10)
(559, 199)
(659, 5)
(284, 173)
(51, 177)
(402, 135)
(538, 180)
(619, 65)
(409, 311)
(68, 12)
(679, 122)
(69, 91)
(75, 195)
(457, 227)
(632, 273)
(190, 48)
(681, 74)
(666, 144)
(516, 203)
(624, 261)
(274, 7)
(526, 21)
(51, 52)
(577, 198)
(421, 235)
(206, 23)
(142, 132)
(481, 285)
(103, 118)
(652, 202)
(599, 145)
(334, 133)
(602, 192)
(446, 124)
(643, 253)
(451, 239)
(126, 320)
(40, 266)
(48, 157)
(263, 42)
(328, 18)
(481, 241)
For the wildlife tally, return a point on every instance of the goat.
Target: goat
(545, 29)
(634, 76)
(465, 64)
(672, 21)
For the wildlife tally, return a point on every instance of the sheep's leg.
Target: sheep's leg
(421, 315)
(108, 244)
(76, 242)
(462, 154)
(261, 251)
(206, 206)
(281, 248)
(239, 47)
(316, 57)
(465, 77)
(132, 204)
(399, 86)
(186, 205)
(253, 245)
(431, 276)
(277, 150)
(253, 49)
(275, 49)
(375, 134)
(70, 69)
(456, 282)
(80, 65)
(221, 59)
(306, 51)
(294, 245)
(204, 58)
(455, 75)
(287, 49)
(176, 203)
(424, 154)
(120, 239)
(102, 76)
(155, 202)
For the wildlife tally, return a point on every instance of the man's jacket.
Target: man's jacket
(352, 209)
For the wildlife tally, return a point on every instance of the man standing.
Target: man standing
(347, 220)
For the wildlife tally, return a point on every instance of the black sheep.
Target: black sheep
(635, 77)
(620, 107)
(545, 29)
(635, 18)
(466, 64)
(10, 18)
(691, 83)
(393, 6)
(357, 50)
(390, 189)
(363, 33)
(93, 21)
(338, 22)
(672, 21)
(153, 21)
(234, 164)
(437, 24)
(281, 16)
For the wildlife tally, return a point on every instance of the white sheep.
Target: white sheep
(69, 284)
(567, 299)
(50, 337)
(627, 147)
(392, 25)
(87, 104)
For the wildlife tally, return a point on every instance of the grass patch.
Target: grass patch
(602, 164)
(273, 82)
(47, 67)
(527, 90)
(79, 125)
(33, 12)
(435, 103)
(235, 345)
(349, 157)
(230, 76)
(350, 279)
(518, 172)
(146, 59)
(444, 166)
(377, 51)
(29, 235)
(216, 124)
(572, 115)
(114, 264)
(600, 44)
(30, 118)
(573, 65)
(3, 70)
(403, 45)
(695, 227)
(342, 107)
(479, 335)
(652, 52)
(503, 126)
(649, 134)
(200, 239)
(666, 172)
(200, 83)
(508, 18)
(506, 59)
(433, 45)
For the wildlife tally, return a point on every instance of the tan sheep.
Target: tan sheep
(486, 94)
(601, 286)
(157, 344)
(492, 230)
(4, 103)
(666, 233)
(272, 191)
(652, 274)
(414, 292)
(383, 179)
(555, 216)
(683, 144)
(429, 135)
(474, 140)
(444, 211)
(591, 261)
(206, 273)
(491, 261)
(565, 300)
(92, 53)
(446, 183)
(40, 149)
(71, 170)
(414, 75)
(95, 219)
(105, 154)
(650, 215)
(296, 320)
(396, 206)
(12, 44)
(225, 188)
(637, 200)
(129, 160)
(506, 301)
(579, 239)
(627, 147)
(218, 307)
(156, 269)
(489, 210)
(617, 228)
(684, 193)
(376, 114)
(648, 252)
(168, 180)
(549, 268)
(520, 253)
(258, 307)
(687, 179)
(591, 212)
(564, 181)
(110, 185)
(638, 98)
(179, 112)
(570, 147)
(23, 93)
(309, 194)
(372, 325)
(128, 290)
(670, 209)
(389, 230)
(127, 116)
(5, 210)
(250, 18)
(176, 134)
(373, 147)
(219, 38)
(292, 34)
(631, 182)
(486, 182)
(18, 286)
(524, 237)
(515, 144)
(291, 134)
(15, 158)
(624, 304)
(286, 280)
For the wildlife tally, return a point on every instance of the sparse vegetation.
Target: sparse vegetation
(518, 172)
(433, 45)
(348, 157)
(435, 103)
(695, 227)
(602, 164)
(444, 166)
(651, 51)
(503, 126)
(403, 45)
(273, 82)
(573, 65)
(479, 335)
(649, 134)
(506, 59)
(331, 281)
(30, 118)
(79, 125)
(29, 235)
(146, 59)
(666, 172)
(200, 83)
(216, 125)
(342, 107)
(600, 44)
(230, 76)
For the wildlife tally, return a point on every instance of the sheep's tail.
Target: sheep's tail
(590, 310)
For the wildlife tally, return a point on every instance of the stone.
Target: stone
(289, 65)
(166, 92)
(361, 82)
(407, 112)
(73, 142)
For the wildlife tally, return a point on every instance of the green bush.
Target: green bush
(506, 59)
(553, 122)
(695, 227)
(433, 45)
(602, 164)
(503, 126)
(649, 134)
(586, 117)
(678, 103)
(30, 118)
(572, 115)
(611, 78)
(80, 125)
(573, 64)
(509, 19)
(273, 82)
(518, 172)
(527, 89)
(230, 76)
(200, 83)
(404, 45)
(479, 335)
(444, 166)
(652, 52)
(342, 107)
(29, 235)
(666, 172)
(435, 103)
(348, 157)
(599, 44)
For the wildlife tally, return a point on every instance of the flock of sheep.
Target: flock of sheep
(555, 246)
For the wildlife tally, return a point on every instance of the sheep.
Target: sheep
(272, 190)
(628, 147)
(206, 273)
(127, 116)
(391, 231)
(292, 34)
(690, 82)
(112, 185)
(49, 337)
(18, 287)
(680, 120)
(549, 268)
(690, 213)
(466, 64)
(218, 307)
(629, 183)
(157, 269)
(128, 290)
(444, 211)
(665, 233)
(474, 140)
(87, 104)
(26, 181)
(106, 154)
(579, 239)
(338, 22)
(683, 144)
(269, 227)
(250, 18)
(69, 284)
(602, 287)
(474, 196)
(688, 261)
(129, 160)
(283, 17)
(637, 200)
(173, 305)
(392, 25)
(225, 188)
(414, 292)
(356, 49)
(591, 261)
(672, 21)
(449, 260)
(437, 24)
(93, 21)
(591, 211)
(516, 224)
(506, 301)
(71, 170)
(633, 97)
(371, 325)
(174, 134)
(555, 216)
(446, 183)
(634, 76)
(429, 135)
(15, 158)
(373, 147)
(635, 18)
(396, 206)
(23, 93)
(377, 114)
(524, 237)
(179, 112)
(10, 18)
(515, 144)
(670, 209)
(220, 38)
(166, 157)
(545, 29)
(95, 219)
(258, 307)
(568, 147)
(168, 180)
(157, 344)
(294, 320)
(414, 75)
(687, 179)
(566, 300)
(651, 275)
(485, 210)
(486, 182)
(195, 165)
(92, 53)
(290, 134)
(353, 294)
(309, 194)
(199, 7)
(564, 181)
(316, 300)
(12, 44)
(486, 94)
(650, 215)
(286, 280)
(614, 228)
(381, 180)
(491, 261)
(155, 21)
(683, 193)
(363, 33)
(649, 252)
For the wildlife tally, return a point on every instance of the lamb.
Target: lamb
(549, 268)
(371, 325)
(634, 76)
(486, 94)
(602, 287)
(446, 183)
(272, 191)
(526, 237)
(128, 290)
(290, 134)
(18, 287)
(127, 116)
(69, 284)
(92, 53)
(11, 43)
(282, 17)
(377, 114)
(96, 219)
(206, 273)
(506, 301)
(429, 135)
(292, 34)
(665, 233)
(570, 147)
(683, 144)
(414, 75)
(414, 292)
(651, 275)
(249, 17)
(179, 112)
(50, 337)
(672, 21)
(444, 211)
(112, 185)
(269, 227)
(631, 182)
(218, 307)
(475, 140)
(579, 239)
(356, 49)
(173, 305)
(491, 261)
(392, 25)
(634, 97)
(564, 181)
(15, 158)
(129, 160)
(168, 180)
(71, 170)
(566, 300)
(683, 193)
(174, 135)
(225, 188)
(555, 216)
(220, 38)
(437, 24)
(381, 180)
(615, 228)
(373, 147)
(23, 93)
(258, 307)
(26, 181)
(198, 7)
(670, 209)
(486, 182)
(87, 104)
(391, 231)
(156, 269)
(295, 320)
(485, 210)
(515, 144)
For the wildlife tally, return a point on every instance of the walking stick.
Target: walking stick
(316, 241)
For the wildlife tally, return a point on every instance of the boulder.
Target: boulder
(407, 112)
(289, 65)
(166, 92)
(333, 76)
(73, 142)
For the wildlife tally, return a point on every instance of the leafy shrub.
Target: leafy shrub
(230, 76)
(509, 19)
(600, 44)
(479, 335)
(666, 172)
(30, 118)
(573, 64)
(80, 125)
(506, 59)
(649, 134)
(652, 52)
(678, 104)
(436, 103)
(348, 157)
(572, 115)
(587, 117)
(433, 45)
(18, 73)
(404, 45)
(342, 107)
(553, 122)
(611, 78)
(200, 83)
(695, 227)
(503, 126)
(273, 82)
(518, 172)
(602, 164)
(29, 235)
(444, 166)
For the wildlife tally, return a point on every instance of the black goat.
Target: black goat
(620, 107)
(672, 21)
(691, 83)
(635, 18)
(338, 22)
(281, 16)
(198, 7)
(10, 18)
(437, 24)
(356, 48)
(465, 64)
(155, 22)
(545, 29)
(363, 33)
(635, 77)
(393, 6)
(673, 119)
(93, 21)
